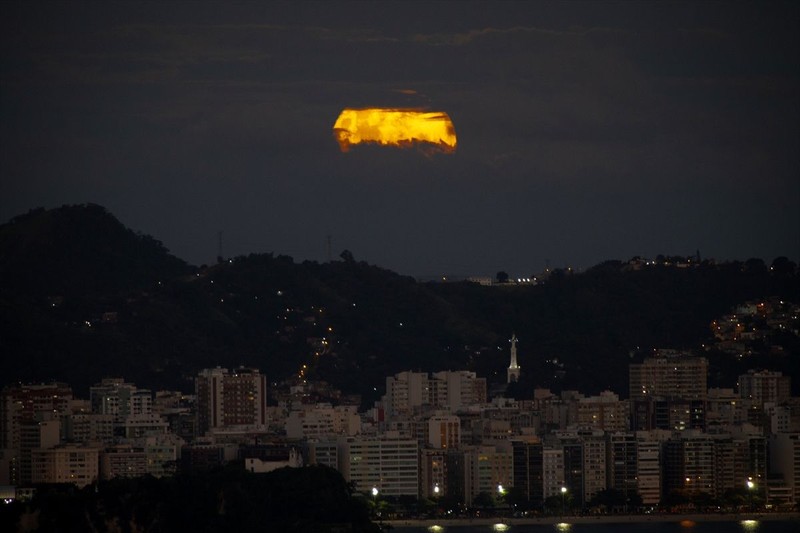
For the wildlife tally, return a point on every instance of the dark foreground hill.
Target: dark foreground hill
(83, 297)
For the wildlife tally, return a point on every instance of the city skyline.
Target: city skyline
(586, 130)
(441, 427)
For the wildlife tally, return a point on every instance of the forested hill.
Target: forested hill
(83, 297)
(79, 251)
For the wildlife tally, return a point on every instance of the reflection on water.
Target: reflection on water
(655, 526)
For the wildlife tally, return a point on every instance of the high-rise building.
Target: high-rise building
(88, 427)
(552, 471)
(322, 452)
(765, 387)
(136, 426)
(724, 410)
(443, 473)
(67, 463)
(123, 460)
(528, 469)
(674, 414)
(584, 463)
(622, 462)
(668, 391)
(230, 399)
(323, 420)
(27, 403)
(784, 418)
(689, 464)
(29, 413)
(669, 375)
(162, 453)
(784, 460)
(408, 391)
(573, 469)
(7, 459)
(34, 436)
(648, 468)
(606, 412)
(388, 463)
(461, 389)
(594, 465)
(112, 396)
(486, 468)
(444, 431)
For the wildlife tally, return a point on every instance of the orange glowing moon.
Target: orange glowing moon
(395, 127)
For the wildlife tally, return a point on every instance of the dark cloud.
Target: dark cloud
(587, 131)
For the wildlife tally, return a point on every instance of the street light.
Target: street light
(375, 501)
(750, 488)
(436, 489)
(563, 499)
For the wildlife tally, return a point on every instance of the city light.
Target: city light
(369, 455)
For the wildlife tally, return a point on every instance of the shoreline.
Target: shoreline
(600, 519)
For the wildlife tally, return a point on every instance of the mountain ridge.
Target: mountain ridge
(84, 297)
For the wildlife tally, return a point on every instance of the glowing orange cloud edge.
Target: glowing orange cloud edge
(397, 127)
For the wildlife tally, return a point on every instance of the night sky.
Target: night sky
(586, 130)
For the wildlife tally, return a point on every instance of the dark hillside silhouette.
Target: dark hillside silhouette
(83, 297)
